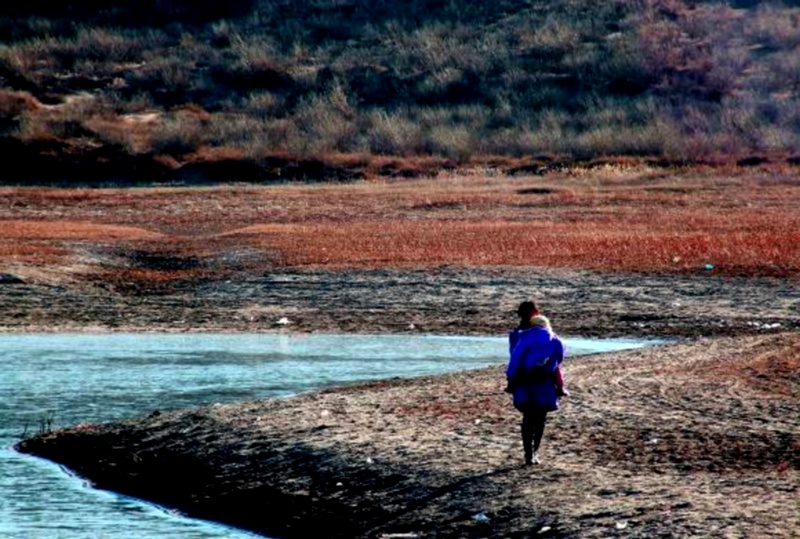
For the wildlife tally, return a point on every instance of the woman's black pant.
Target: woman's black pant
(533, 420)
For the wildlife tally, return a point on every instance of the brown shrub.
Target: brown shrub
(12, 103)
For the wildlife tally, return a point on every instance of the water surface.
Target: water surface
(74, 378)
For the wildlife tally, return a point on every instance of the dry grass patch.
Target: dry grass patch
(72, 230)
(624, 219)
(592, 244)
(30, 253)
(609, 221)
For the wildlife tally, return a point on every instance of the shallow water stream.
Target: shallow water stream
(62, 379)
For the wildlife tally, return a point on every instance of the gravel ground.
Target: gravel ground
(447, 300)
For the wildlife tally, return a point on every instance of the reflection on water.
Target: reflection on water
(92, 378)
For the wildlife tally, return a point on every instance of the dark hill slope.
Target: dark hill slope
(182, 82)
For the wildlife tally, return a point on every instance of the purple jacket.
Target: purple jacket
(536, 353)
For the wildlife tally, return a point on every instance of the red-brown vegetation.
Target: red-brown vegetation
(608, 219)
(71, 230)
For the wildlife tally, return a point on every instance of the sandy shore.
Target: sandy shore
(693, 439)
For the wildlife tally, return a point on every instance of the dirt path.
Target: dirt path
(683, 440)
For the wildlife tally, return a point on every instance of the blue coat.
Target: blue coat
(536, 353)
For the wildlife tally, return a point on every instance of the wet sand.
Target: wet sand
(692, 439)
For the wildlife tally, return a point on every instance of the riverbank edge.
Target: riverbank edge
(109, 457)
(290, 467)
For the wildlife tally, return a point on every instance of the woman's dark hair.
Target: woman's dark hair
(526, 309)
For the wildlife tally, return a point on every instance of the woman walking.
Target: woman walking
(534, 375)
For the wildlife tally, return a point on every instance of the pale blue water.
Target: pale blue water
(76, 378)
